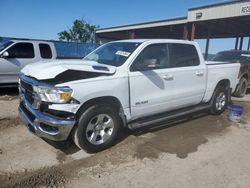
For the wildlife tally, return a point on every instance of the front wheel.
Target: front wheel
(98, 128)
(219, 101)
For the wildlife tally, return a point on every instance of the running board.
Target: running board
(142, 122)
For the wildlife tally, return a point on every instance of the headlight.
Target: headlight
(51, 94)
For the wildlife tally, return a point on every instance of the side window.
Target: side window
(154, 56)
(21, 50)
(183, 55)
(45, 51)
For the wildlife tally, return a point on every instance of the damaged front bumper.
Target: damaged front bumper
(45, 126)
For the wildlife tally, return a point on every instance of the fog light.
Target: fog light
(48, 128)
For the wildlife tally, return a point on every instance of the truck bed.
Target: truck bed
(220, 71)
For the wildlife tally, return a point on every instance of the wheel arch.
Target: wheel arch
(222, 83)
(111, 100)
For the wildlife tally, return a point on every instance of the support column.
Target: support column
(185, 32)
(241, 43)
(192, 31)
(97, 39)
(207, 44)
(236, 43)
(131, 34)
(248, 46)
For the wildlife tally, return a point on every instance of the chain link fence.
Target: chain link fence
(73, 49)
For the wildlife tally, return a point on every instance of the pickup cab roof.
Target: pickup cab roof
(158, 40)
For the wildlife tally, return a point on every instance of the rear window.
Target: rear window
(45, 51)
(183, 55)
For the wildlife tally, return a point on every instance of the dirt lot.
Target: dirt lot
(199, 151)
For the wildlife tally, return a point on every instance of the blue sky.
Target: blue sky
(43, 19)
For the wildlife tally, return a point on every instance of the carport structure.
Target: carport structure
(223, 20)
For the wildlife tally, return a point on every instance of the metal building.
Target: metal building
(223, 20)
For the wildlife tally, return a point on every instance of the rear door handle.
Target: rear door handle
(168, 77)
(199, 73)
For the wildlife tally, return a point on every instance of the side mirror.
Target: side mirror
(145, 64)
(5, 54)
(150, 63)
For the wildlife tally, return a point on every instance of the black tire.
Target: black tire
(82, 136)
(241, 88)
(220, 95)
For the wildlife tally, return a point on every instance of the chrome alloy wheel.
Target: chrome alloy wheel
(99, 129)
(220, 101)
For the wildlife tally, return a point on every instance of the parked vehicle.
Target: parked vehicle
(209, 56)
(242, 57)
(129, 83)
(15, 54)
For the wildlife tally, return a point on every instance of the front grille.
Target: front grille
(27, 90)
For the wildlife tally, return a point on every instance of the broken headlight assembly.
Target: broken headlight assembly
(53, 94)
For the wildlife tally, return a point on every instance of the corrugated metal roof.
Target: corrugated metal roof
(157, 23)
(182, 20)
(218, 4)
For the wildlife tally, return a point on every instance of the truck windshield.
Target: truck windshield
(114, 53)
(231, 56)
(5, 45)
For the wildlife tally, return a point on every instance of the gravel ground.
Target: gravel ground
(199, 151)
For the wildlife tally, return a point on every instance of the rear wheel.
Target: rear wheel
(98, 128)
(220, 101)
(242, 88)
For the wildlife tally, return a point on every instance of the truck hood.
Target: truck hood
(44, 70)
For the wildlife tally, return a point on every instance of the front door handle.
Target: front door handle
(199, 73)
(168, 77)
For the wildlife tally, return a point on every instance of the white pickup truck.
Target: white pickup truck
(15, 54)
(129, 83)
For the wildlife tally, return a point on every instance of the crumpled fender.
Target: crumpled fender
(44, 70)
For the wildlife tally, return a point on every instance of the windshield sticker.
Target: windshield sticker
(122, 53)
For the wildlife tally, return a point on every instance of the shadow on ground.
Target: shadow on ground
(67, 147)
(8, 94)
(12, 91)
(179, 136)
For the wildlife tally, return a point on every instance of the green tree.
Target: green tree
(81, 31)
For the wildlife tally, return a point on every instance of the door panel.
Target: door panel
(151, 89)
(189, 75)
(176, 79)
(189, 86)
(150, 93)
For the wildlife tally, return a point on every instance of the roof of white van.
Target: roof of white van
(33, 41)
